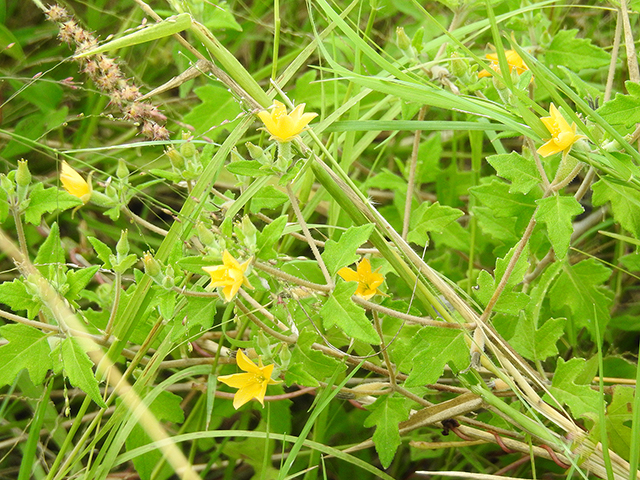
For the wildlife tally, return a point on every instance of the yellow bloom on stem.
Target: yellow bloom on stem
(73, 183)
(284, 126)
(229, 275)
(252, 384)
(513, 59)
(368, 281)
(563, 135)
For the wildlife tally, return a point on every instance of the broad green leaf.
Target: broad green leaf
(445, 346)
(625, 202)
(216, 114)
(267, 198)
(17, 297)
(568, 389)
(536, 343)
(27, 348)
(623, 109)
(386, 180)
(579, 287)
(521, 171)
(431, 218)
(8, 38)
(77, 280)
(165, 407)
(495, 195)
(510, 302)
(218, 16)
(308, 366)
(343, 252)
(496, 228)
(556, 213)
(386, 415)
(47, 201)
(619, 416)
(103, 252)
(50, 252)
(78, 368)
(249, 168)
(428, 165)
(200, 312)
(268, 237)
(575, 53)
(340, 310)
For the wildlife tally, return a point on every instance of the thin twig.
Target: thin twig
(412, 175)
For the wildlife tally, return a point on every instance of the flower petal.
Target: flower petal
(348, 275)
(548, 148)
(245, 364)
(238, 380)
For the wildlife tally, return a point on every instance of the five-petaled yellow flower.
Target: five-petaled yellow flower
(73, 183)
(513, 59)
(368, 281)
(230, 275)
(252, 384)
(563, 135)
(284, 126)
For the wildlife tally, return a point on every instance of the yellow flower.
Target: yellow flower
(75, 184)
(284, 126)
(563, 136)
(252, 384)
(230, 275)
(513, 59)
(368, 281)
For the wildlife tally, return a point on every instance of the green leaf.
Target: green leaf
(343, 252)
(249, 168)
(623, 109)
(536, 343)
(556, 212)
(495, 195)
(267, 198)
(17, 297)
(575, 53)
(428, 165)
(431, 218)
(153, 31)
(126, 263)
(27, 348)
(386, 414)
(79, 368)
(50, 252)
(200, 312)
(77, 280)
(308, 366)
(46, 201)
(568, 389)
(497, 228)
(579, 288)
(218, 16)
(340, 310)
(216, 114)
(625, 202)
(445, 346)
(521, 171)
(268, 238)
(509, 302)
(618, 417)
(102, 251)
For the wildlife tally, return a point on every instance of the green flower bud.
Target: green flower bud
(122, 247)
(188, 149)
(205, 235)
(151, 266)
(23, 175)
(256, 152)
(402, 39)
(122, 172)
(176, 159)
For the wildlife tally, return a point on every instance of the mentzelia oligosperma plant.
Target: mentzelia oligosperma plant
(232, 275)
